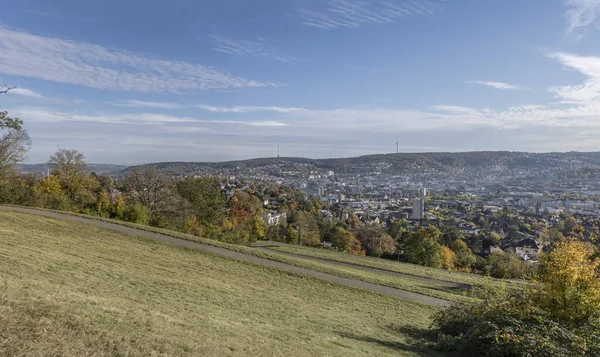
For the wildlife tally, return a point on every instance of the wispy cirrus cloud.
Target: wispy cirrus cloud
(24, 92)
(460, 110)
(39, 114)
(581, 14)
(91, 65)
(258, 48)
(145, 104)
(249, 109)
(357, 13)
(499, 85)
(210, 108)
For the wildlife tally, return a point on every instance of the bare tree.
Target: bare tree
(149, 188)
(4, 89)
(14, 141)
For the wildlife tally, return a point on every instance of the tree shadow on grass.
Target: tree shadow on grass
(419, 340)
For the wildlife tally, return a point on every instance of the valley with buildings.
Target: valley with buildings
(462, 191)
(515, 196)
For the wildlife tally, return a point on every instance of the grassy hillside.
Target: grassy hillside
(69, 289)
(390, 265)
(277, 253)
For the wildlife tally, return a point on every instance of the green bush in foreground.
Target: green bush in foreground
(513, 327)
(560, 316)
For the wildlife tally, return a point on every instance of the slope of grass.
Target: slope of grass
(386, 264)
(425, 288)
(68, 289)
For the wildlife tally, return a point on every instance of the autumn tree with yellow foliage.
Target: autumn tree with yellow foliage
(558, 316)
(569, 281)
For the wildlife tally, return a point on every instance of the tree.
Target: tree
(257, 229)
(50, 193)
(102, 203)
(353, 222)
(422, 247)
(448, 258)
(308, 229)
(137, 214)
(18, 189)
(569, 224)
(291, 235)
(569, 281)
(118, 208)
(374, 241)
(14, 142)
(149, 188)
(274, 233)
(4, 89)
(396, 229)
(343, 240)
(555, 235)
(204, 195)
(67, 163)
(464, 258)
(192, 226)
(493, 239)
(450, 234)
(70, 169)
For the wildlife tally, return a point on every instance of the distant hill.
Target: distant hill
(97, 168)
(495, 161)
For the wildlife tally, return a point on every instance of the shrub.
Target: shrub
(558, 316)
(137, 214)
(512, 327)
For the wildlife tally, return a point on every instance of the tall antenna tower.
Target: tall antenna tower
(278, 151)
(397, 146)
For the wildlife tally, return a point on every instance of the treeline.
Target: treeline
(208, 207)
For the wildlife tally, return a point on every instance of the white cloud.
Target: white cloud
(271, 123)
(90, 65)
(455, 109)
(48, 115)
(248, 109)
(247, 48)
(570, 124)
(581, 14)
(498, 85)
(24, 92)
(144, 104)
(358, 13)
(587, 92)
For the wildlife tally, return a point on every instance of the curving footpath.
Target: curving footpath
(428, 300)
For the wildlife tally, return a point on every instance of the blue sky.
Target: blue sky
(142, 81)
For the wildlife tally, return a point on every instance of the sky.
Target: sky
(131, 82)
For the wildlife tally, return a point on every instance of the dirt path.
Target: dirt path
(239, 256)
(365, 268)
